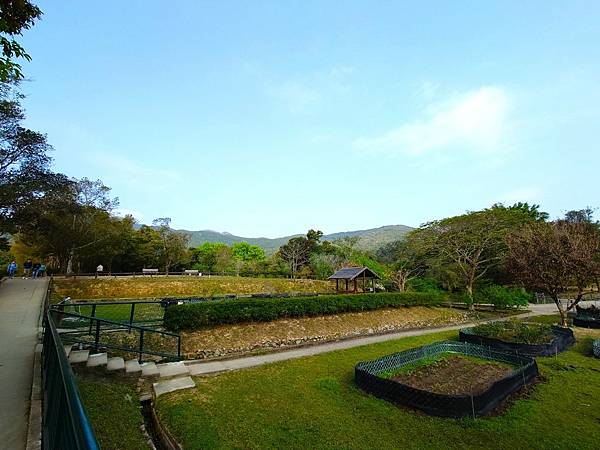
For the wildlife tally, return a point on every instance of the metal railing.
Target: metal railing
(140, 312)
(65, 424)
(102, 334)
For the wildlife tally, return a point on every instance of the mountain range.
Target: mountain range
(370, 239)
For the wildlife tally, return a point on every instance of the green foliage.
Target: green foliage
(242, 251)
(503, 297)
(197, 315)
(516, 331)
(424, 284)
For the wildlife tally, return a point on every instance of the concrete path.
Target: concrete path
(207, 367)
(20, 307)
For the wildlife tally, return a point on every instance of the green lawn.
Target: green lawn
(113, 408)
(314, 403)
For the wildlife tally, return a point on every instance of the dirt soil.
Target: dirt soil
(455, 375)
(229, 340)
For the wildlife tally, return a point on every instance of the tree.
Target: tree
(173, 244)
(242, 251)
(552, 257)
(15, 16)
(472, 243)
(296, 253)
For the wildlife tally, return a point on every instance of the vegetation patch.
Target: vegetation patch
(197, 315)
(114, 410)
(180, 286)
(516, 332)
(452, 374)
(314, 403)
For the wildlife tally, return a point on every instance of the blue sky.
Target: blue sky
(272, 117)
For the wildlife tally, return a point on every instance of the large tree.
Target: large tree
(555, 257)
(173, 244)
(296, 253)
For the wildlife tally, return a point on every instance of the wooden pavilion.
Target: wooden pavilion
(353, 274)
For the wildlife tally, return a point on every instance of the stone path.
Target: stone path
(207, 367)
(20, 308)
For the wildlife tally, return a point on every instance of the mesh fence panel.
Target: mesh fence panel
(368, 377)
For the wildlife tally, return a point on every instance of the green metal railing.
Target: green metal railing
(65, 424)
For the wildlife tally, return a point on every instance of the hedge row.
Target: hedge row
(193, 316)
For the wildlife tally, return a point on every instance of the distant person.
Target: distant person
(99, 270)
(41, 271)
(12, 269)
(35, 268)
(27, 266)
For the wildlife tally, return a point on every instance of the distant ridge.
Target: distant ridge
(370, 239)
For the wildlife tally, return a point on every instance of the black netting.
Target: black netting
(586, 321)
(563, 340)
(596, 348)
(367, 377)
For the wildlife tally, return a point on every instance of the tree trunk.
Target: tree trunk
(470, 294)
(561, 310)
(70, 261)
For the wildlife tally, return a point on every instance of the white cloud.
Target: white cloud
(477, 121)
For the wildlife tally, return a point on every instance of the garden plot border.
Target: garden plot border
(586, 321)
(366, 375)
(563, 340)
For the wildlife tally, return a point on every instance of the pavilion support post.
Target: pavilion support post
(364, 283)
(346, 284)
(355, 285)
(337, 286)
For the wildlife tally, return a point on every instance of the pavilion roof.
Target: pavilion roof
(351, 273)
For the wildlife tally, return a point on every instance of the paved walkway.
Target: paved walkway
(208, 367)
(20, 306)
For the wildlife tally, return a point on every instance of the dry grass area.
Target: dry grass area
(181, 286)
(223, 340)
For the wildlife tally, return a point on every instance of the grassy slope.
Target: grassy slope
(113, 408)
(106, 288)
(313, 403)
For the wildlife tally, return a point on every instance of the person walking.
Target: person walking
(41, 270)
(27, 266)
(34, 271)
(12, 269)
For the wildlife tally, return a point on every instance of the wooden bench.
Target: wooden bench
(149, 272)
(191, 272)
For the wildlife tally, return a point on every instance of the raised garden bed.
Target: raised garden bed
(520, 338)
(448, 379)
(587, 317)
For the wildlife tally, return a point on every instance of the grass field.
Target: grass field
(113, 407)
(313, 403)
(180, 286)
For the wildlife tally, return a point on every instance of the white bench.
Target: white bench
(191, 272)
(150, 272)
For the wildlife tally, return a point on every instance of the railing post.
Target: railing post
(97, 338)
(92, 317)
(131, 315)
(178, 347)
(141, 345)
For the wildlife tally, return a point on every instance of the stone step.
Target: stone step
(174, 384)
(78, 356)
(132, 367)
(149, 369)
(172, 369)
(115, 363)
(98, 359)
(68, 349)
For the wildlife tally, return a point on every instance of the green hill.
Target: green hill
(370, 239)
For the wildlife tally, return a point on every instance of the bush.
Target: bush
(193, 316)
(513, 331)
(424, 284)
(503, 297)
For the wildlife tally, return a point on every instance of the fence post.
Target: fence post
(179, 347)
(131, 315)
(92, 317)
(97, 339)
(141, 345)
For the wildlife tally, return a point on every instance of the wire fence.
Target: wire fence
(369, 377)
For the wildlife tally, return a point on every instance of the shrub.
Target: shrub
(513, 331)
(193, 316)
(424, 284)
(503, 297)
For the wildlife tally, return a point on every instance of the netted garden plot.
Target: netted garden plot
(596, 348)
(381, 378)
(587, 317)
(520, 338)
